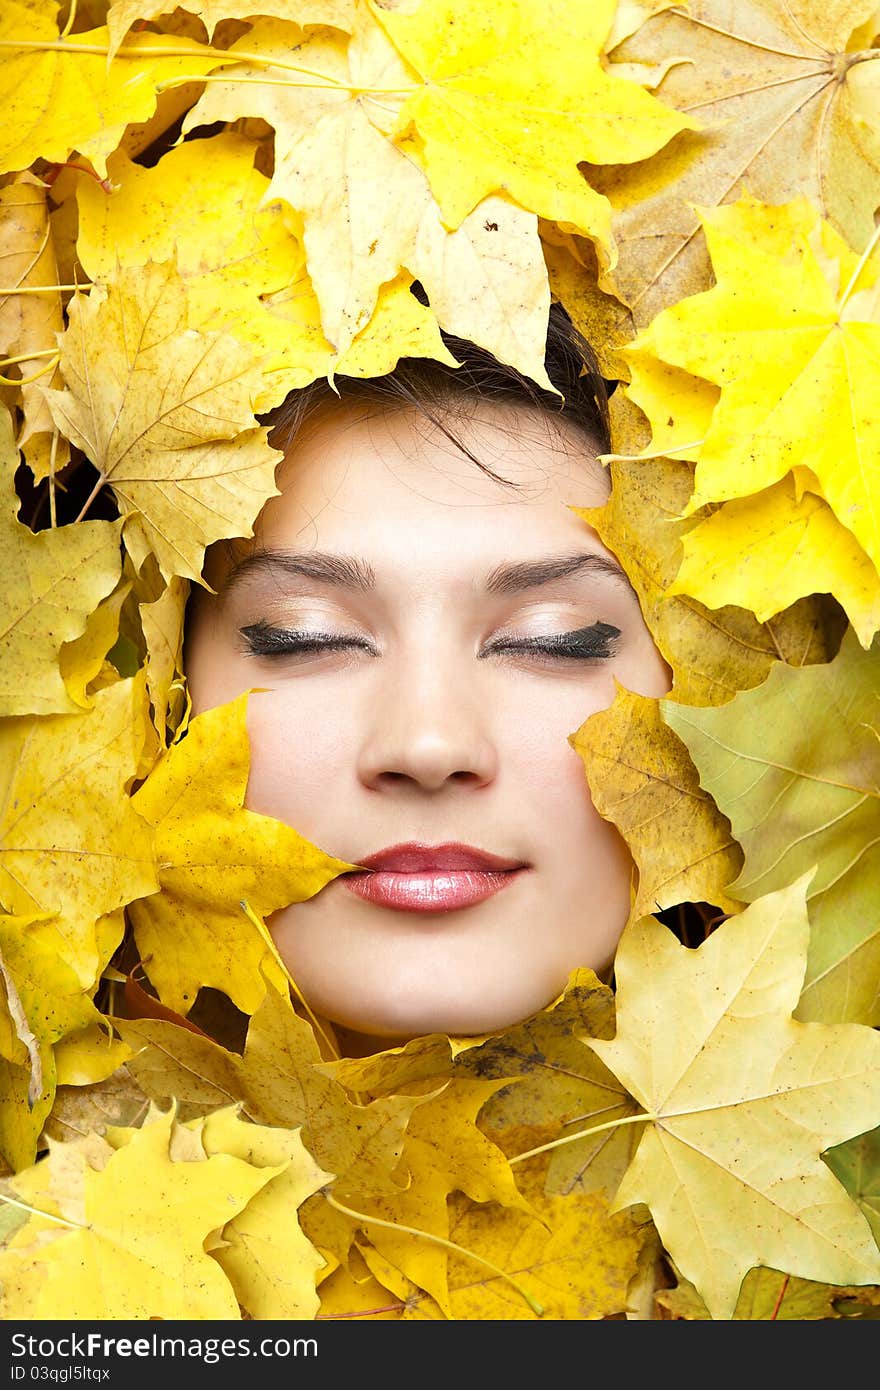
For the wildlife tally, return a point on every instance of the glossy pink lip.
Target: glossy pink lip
(432, 878)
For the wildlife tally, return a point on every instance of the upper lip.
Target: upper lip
(414, 857)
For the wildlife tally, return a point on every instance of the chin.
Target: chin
(454, 1017)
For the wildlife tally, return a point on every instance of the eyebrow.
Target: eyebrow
(340, 570)
(344, 571)
(529, 574)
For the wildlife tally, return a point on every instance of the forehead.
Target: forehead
(404, 462)
(391, 483)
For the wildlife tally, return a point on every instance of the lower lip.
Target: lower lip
(425, 891)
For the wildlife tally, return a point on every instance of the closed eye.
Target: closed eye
(264, 640)
(598, 642)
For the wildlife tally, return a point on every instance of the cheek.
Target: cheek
(559, 797)
(582, 844)
(551, 772)
(301, 759)
(538, 719)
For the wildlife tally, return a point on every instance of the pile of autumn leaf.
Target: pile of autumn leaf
(203, 209)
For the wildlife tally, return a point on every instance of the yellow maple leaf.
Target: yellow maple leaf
(211, 854)
(268, 1260)
(165, 414)
(83, 660)
(791, 335)
(647, 785)
(767, 551)
(61, 94)
(142, 1215)
(712, 654)
(30, 322)
(573, 1260)
(548, 1081)
(445, 1146)
(785, 91)
(558, 1085)
(279, 1083)
(368, 209)
(740, 1101)
(444, 1152)
(522, 89)
(75, 868)
(45, 1002)
(52, 580)
(340, 14)
(249, 278)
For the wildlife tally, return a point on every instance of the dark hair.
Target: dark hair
(433, 387)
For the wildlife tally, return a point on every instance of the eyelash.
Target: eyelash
(265, 640)
(594, 643)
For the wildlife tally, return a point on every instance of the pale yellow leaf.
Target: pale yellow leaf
(740, 1101)
(767, 551)
(51, 582)
(82, 866)
(143, 1216)
(66, 96)
(211, 854)
(785, 110)
(165, 414)
(30, 322)
(268, 1260)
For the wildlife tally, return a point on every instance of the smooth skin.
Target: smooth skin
(438, 718)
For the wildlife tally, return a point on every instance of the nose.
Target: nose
(428, 727)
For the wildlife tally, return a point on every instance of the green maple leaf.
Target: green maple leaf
(795, 766)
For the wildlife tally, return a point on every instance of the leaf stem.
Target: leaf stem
(71, 20)
(438, 1240)
(860, 265)
(582, 1134)
(26, 380)
(35, 1211)
(779, 1297)
(102, 478)
(40, 289)
(226, 56)
(53, 454)
(652, 454)
(28, 357)
(230, 79)
(146, 50)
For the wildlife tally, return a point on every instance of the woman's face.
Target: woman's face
(428, 639)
